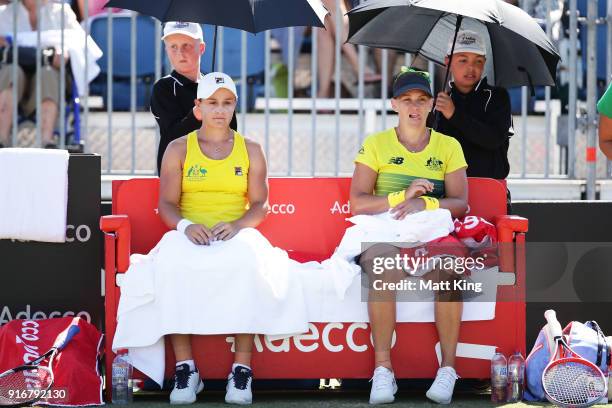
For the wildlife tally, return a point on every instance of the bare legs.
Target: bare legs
(6, 114)
(48, 116)
(181, 344)
(382, 311)
(326, 48)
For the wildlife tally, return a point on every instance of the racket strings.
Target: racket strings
(14, 387)
(573, 383)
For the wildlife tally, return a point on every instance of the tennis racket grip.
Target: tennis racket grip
(66, 336)
(555, 327)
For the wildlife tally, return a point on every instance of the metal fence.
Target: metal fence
(304, 134)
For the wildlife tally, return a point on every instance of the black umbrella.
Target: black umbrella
(249, 15)
(519, 52)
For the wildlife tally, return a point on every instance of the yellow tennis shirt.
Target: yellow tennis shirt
(397, 167)
(214, 190)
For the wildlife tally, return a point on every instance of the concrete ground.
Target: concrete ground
(335, 399)
(353, 394)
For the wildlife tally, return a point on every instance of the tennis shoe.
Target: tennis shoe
(441, 391)
(186, 385)
(384, 386)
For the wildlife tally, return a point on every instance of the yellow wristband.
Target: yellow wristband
(431, 203)
(396, 198)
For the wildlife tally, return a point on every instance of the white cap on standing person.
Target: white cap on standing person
(192, 30)
(210, 83)
(467, 41)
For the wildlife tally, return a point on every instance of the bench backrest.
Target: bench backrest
(307, 215)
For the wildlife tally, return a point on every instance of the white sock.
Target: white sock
(241, 365)
(191, 364)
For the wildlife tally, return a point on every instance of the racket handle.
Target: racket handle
(63, 340)
(553, 323)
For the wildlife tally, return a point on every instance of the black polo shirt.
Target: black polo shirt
(172, 102)
(482, 123)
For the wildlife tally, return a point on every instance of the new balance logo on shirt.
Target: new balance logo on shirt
(396, 160)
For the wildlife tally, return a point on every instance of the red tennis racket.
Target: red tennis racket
(570, 380)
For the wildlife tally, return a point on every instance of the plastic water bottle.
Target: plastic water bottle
(516, 377)
(122, 378)
(499, 378)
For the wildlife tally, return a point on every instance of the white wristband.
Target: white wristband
(183, 224)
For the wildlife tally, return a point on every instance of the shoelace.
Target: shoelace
(446, 378)
(181, 377)
(241, 377)
(381, 380)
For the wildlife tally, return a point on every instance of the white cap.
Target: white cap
(192, 30)
(468, 41)
(210, 83)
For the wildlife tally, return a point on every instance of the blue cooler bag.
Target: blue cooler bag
(586, 339)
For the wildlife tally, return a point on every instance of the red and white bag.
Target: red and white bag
(476, 232)
(77, 378)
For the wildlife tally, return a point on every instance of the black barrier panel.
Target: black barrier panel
(561, 225)
(41, 280)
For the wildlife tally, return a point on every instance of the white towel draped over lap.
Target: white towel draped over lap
(243, 285)
(33, 194)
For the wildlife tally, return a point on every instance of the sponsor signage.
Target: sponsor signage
(42, 280)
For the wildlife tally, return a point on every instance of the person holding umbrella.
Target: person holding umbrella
(408, 169)
(172, 99)
(473, 112)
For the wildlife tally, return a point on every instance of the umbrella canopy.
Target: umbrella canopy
(248, 15)
(518, 51)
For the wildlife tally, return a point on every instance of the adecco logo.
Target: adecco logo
(27, 314)
(79, 233)
(311, 341)
(338, 208)
(282, 208)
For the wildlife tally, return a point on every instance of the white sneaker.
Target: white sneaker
(441, 391)
(186, 385)
(238, 389)
(384, 386)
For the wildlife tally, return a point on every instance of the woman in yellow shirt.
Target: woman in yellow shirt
(213, 184)
(407, 169)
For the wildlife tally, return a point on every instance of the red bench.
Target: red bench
(308, 219)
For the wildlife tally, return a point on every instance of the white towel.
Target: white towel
(33, 194)
(243, 285)
(420, 227)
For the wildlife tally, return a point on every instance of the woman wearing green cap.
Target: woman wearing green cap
(407, 169)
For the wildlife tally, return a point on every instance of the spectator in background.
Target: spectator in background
(326, 45)
(604, 107)
(28, 20)
(173, 96)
